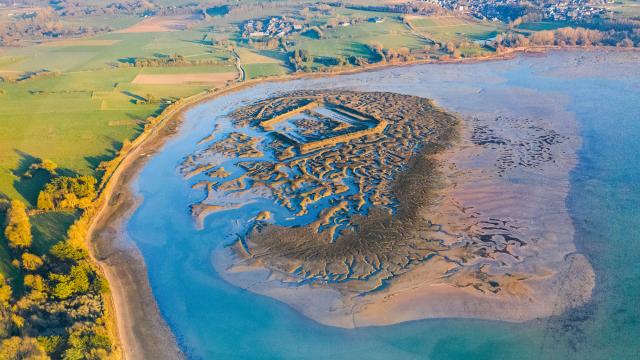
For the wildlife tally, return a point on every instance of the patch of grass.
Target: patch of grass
(190, 69)
(114, 22)
(50, 228)
(261, 70)
(353, 40)
(472, 51)
(252, 56)
(543, 25)
(59, 119)
(89, 57)
(445, 29)
(81, 116)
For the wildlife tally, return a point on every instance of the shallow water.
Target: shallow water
(213, 319)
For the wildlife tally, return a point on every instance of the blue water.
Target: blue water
(214, 320)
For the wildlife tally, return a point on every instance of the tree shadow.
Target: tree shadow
(4, 203)
(127, 60)
(94, 161)
(109, 154)
(135, 98)
(199, 42)
(29, 186)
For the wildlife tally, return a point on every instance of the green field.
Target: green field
(89, 57)
(264, 69)
(353, 40)
(262, 63)
(81, 115)
(446, 28)
(543, 25)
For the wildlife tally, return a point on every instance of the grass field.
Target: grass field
(262, 63)
(543, 25)
(81, 116)
(353, 40)
(449, 28)
(264, 69)
(82, 55)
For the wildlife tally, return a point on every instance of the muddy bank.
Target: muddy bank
(480, 230)
(142, 331)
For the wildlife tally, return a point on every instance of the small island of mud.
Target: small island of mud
(386, 208)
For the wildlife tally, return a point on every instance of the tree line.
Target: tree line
(54, 306)
(569, 36)
(173, 60)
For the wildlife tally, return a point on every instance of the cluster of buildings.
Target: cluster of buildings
(574, 10)
(560, 10)
(273, 27)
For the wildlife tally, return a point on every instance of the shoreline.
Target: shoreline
(141, 329)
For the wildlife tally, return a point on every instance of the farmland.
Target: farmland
(449, 28)
(353, 39)
(262, 63)
(104, 105)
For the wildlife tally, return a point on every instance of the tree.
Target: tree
(64, 251)
(5, 308)
(451, 47)
(18, 229)
(45, 201)
(48, 165)
(31, 262)
(87, 343)
(44, 164)
(16, 348)
(626, 42)
(301, 59)
(34, 282)
(544, 37)
(76, 282)
(5, 291)
(64, 192)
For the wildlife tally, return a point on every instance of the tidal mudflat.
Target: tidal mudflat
(492, 238)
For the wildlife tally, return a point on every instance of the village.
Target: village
(274, 27)
(507, 10)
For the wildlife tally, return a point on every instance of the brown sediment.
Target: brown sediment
(218, 173)
(209, 137)
(263, 215)
(480, 228)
